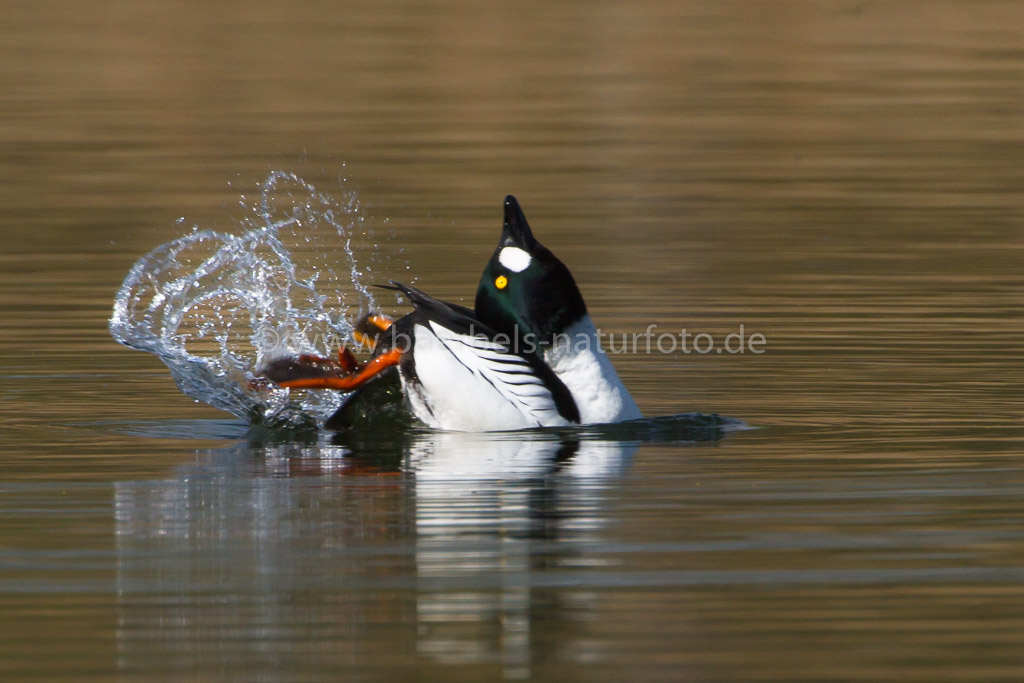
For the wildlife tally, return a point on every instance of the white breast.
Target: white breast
(580, 362)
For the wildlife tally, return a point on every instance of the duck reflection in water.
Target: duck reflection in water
(436, 545)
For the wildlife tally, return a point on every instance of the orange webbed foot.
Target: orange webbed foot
(308, 371)
(312, 372)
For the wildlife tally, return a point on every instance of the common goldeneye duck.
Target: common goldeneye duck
(527, 355)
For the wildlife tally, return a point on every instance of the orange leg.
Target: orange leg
(368, 372)
(346, 359)
(308, 371)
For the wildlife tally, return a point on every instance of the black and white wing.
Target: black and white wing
(511, 375)
(521, 379)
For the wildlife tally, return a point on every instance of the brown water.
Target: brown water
(844, 178)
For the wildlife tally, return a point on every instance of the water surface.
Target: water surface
(844, 178)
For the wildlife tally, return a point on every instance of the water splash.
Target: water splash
(215, 306)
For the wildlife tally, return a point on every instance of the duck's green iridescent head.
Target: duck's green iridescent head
(525, 291)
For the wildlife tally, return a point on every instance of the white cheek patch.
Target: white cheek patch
(514, 258)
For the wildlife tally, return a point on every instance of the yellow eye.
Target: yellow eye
(500, 282)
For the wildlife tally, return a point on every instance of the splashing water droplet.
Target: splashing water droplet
(214, 307)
